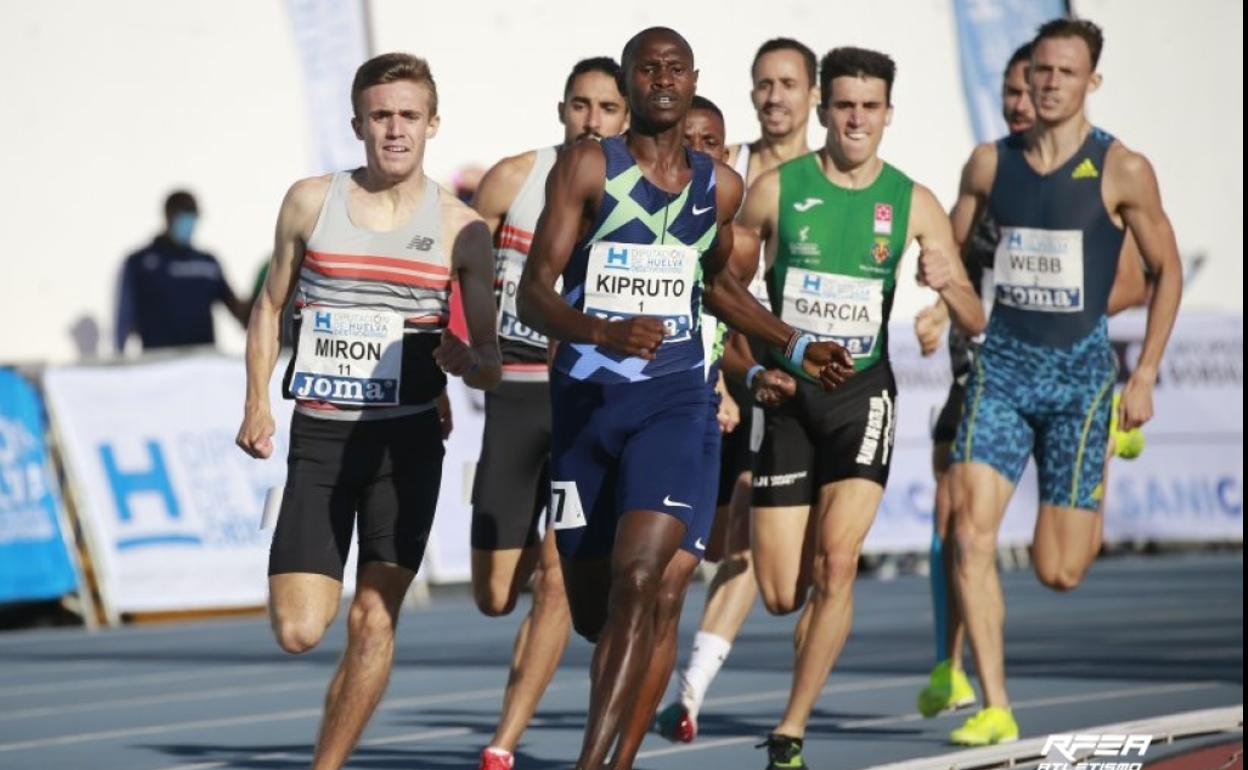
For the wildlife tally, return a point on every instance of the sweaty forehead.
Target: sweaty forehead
(1055, 50)
(704, 121)
(595, 85)
(659, 44)
(396, 96)
(858, 88)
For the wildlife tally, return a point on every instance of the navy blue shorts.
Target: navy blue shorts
(704, 511)
(631, 446)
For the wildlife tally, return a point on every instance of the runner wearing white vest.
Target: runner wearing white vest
(369, 256)
(512, 481)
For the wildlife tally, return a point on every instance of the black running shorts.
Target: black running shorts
(946, 428)
(512, 481)
(819, 437)
(736, 454)
(386, 471)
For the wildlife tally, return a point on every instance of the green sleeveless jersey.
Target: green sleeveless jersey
(836, 257)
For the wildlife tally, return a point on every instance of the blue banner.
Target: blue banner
(989, 31)
(33, 561)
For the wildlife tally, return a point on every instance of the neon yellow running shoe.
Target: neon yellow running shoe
(1128, 444)
(947, 689)
(989, 725)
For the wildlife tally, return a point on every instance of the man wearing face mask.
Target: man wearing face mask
(168, 288)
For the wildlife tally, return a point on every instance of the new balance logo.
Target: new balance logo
(420, 243)
(1085, 170)
(807, 204)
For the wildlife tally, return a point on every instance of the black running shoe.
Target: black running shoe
(783, 752)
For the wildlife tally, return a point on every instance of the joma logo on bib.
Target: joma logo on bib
(1040, 270)
(343, 390)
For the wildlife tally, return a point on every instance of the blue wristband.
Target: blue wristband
(799, 349)
(754, 371)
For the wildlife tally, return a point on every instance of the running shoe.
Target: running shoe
(676, 724)
(947, 689)
(989, 725)
(783, 752)
(496, 759)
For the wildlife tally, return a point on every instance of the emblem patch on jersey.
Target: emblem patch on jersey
(883, 219)
(803, 247)
(803, 206)
(1085, 170)
(880, 251)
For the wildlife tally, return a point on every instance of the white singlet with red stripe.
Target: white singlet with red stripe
(523, 349)
(360, 287)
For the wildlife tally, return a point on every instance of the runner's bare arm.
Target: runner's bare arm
(572, 190)
(1130, 287)
(760, 210)
(973, 190)
(295, 221)
(1131, 191)
(472, 262)
(499, 188)
(826, 360)
(939, 266)
(737, 358)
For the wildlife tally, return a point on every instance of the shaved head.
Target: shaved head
(666, 33)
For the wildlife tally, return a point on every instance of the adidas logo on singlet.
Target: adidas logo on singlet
(420, 243)
(1085, 170)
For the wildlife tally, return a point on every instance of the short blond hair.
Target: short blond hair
(391, 67)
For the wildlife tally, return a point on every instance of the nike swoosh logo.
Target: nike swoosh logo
(807, 204)
(697, 212)
(699, 544)
(668, 501)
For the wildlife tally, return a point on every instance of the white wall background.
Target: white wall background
(110, 105)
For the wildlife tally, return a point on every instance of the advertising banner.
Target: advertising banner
(34, 562)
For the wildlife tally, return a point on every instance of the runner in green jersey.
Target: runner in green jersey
(835, 223)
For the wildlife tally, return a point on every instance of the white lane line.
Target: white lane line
(248, 719)
(151, 700)
(159, 677)
(1126, 692)
(428, 735)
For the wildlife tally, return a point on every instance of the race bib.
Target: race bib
(566, 511)
(841, 308)
(624, 280)
(1040, 270)
(349, 357)
(511, 267)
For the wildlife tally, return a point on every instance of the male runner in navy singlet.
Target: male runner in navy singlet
(640, 229)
